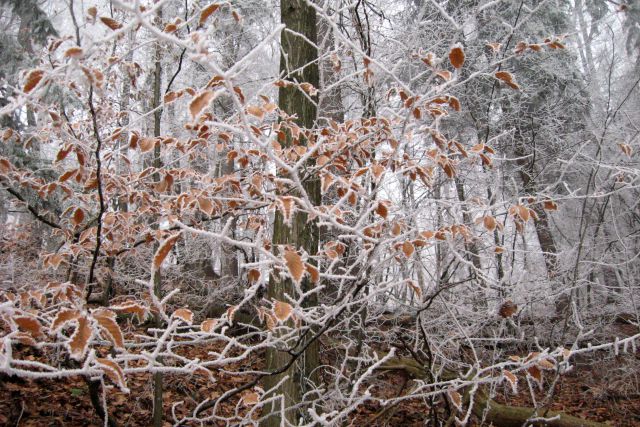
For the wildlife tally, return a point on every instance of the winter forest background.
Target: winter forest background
(319, 212)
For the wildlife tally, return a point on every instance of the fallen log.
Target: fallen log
(496, 413)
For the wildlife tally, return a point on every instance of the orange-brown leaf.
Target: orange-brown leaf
(78, 217)
(208, 325)
(29, 325)
(164, 249)
(74, 52)
(282, 310)
(32, 80)
(455, 398)
(489, 222)
(255, 111)
(535, 373)
(288, 206)
(253, 275)
(199, 102)
(107, 321)
(550, 205)
(507, 78)
(508, 309)
(79, 342)
(63, 316)
(314, 274)
(408, 249)
(205, 205)
(111, 23)
(294, 264)
(511, 379)
(132, 307)
(146, 144)
(184, 314)
(113, 371)
(456, 57)
(250, 398)
(207, 12)
(382, 209)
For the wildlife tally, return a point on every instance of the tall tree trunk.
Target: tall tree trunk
(543, 231)
(471, 247)
(157, 280)
(298, 62)
(330, 102)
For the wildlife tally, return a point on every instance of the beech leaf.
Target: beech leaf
(295, 265)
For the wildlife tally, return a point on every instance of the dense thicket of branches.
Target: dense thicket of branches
(341, 187)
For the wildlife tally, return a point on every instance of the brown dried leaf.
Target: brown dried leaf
(163, 250)
(314, 274)
(63, 316)
(396, 229)
(511, 379)
(416, 288)
(170, 28)
(255, 111)
(184, 314)
(408, 249)
(199, 102)
(288, 206)
(250, 398)
(546, 364)
(455, 398)
(78, 217)
(113, 371)
(146, 144)
(523, 212)
(74, 52)
(208, 325)
(550, 205)
(207, 12)
(79, 341)
(107, 321)
(294, 264)
(205, 205)
(132, 307)
(382, 210)
(32, 80)
(489, 222)
(253, 275)
(282, 310)
(454, 103)
(507, 78)
(111, 23)
(508, 309)
(29, 325)
(535, 373)
(170, 97)
(456, 56)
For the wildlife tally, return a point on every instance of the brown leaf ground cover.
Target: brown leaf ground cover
(605, 390)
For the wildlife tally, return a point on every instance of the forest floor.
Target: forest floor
(604, 390)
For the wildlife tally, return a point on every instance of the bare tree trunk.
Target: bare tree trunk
(298, 62)
(330, 102)
(471, 247)
(157, 279)
(543, 231)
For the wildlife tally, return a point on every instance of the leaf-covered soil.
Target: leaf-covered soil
(604, 390)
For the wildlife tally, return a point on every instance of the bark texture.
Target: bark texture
(298, 63)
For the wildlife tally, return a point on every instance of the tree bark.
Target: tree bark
(298, 62)
(157, 163)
